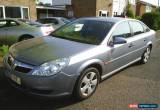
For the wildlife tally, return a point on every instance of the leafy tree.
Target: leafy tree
(129, 12)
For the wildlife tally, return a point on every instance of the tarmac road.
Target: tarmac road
(133, 85)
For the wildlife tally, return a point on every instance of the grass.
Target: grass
(3, 50)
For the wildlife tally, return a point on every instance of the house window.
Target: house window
(1, 12)
(12, 12)
(25, 13)
(148, 8)
(103, 13)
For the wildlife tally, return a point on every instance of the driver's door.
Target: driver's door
(119, 53)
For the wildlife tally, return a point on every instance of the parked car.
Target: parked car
(78, 56)
(56, 22)
(14, 30)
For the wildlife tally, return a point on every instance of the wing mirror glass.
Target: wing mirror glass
(118, 40)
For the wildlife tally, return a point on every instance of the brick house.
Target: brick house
(25, 9)
(144, 7)
(87, 8)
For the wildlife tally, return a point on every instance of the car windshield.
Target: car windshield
(84, 31)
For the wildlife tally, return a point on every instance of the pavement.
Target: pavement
(135, 84)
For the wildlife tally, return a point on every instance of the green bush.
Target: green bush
(152, 19)
(130, 13)
(3, 50)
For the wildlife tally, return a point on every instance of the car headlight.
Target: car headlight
(51, 68)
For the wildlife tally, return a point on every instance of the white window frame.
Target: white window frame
(22, 12)
(4, 15)
(12, 6)
(103, 12)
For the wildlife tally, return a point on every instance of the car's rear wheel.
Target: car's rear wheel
(146, 55)
(87, 83)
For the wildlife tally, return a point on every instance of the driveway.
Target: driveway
(135, 84)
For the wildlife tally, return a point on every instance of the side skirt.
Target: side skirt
(122, 67)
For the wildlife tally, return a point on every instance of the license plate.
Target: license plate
(15, 79)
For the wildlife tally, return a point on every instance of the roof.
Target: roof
(109, 19)
(148, 3)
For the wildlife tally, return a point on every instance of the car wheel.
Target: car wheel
(87, 83)
(146, 55)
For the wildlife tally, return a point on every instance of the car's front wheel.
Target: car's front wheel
(87, 83)
(146, 55)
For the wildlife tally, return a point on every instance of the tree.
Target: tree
(128, 11)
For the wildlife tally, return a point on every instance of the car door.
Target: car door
(3, 32)
(13, 31)
(119, 53)
(139, 39)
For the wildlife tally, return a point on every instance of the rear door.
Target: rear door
(3, 32)
(139, 39)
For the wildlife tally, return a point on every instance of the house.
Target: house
(25, 9)
(54, 8)
(144, 7)
(103, 8)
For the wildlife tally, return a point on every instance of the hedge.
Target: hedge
(152, 19)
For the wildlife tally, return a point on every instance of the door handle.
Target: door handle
(131, 45)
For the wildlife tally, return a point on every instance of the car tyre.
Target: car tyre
(87, 83)
(146, 55)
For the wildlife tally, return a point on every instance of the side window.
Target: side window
(146, 29)
(136, 27)
(122, 30)
(11, 23)
(53, 21)
(2, 24)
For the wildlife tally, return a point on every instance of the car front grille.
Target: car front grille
(19, 66)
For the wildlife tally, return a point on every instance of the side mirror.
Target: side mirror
(119, 40)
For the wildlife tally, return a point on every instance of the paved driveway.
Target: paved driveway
(135, 84)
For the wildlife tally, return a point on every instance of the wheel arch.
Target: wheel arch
(25, 36)
(149, 44)
(98, 64)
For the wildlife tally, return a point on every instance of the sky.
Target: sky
(155, 2)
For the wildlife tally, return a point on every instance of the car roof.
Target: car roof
(109, 19)
(52, 17)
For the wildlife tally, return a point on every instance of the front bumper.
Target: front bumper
(57, 85)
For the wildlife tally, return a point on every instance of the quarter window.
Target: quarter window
(136, 27)
(146, 29)
(122, 30)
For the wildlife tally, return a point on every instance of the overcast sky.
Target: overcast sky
(155, 2)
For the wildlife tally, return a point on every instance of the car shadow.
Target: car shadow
(11, 99)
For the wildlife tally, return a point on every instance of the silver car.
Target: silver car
(15, 30)
(56, 22)
(78, 56)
